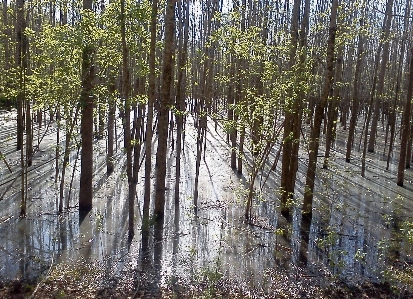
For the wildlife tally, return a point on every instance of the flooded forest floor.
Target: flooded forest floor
(358, 244)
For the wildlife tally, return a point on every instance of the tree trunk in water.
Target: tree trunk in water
(318, 117)
(180, 95)
(20, 54)
(380, 84)
(21, 64)
(231, 115)
(355, 101)
(86, 102)
(149, 120)
(69, 130)
(163, 116)
(392, 108)
(127, 126)
(406, 124)
(111, 124)
(332, 110)
(292, 124)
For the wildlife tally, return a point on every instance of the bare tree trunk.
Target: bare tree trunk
(149, 119)
(69, 131)
(380, 83)
(20, 53)
(292, 123)
(356, 83)
(21, 64)
(167, 81)
(111, 124)
(318, 117)
(332, 109)
(180, 92)
(406, 124)
(128, 133)
(86, 102)
(7, 51)
(232, 117)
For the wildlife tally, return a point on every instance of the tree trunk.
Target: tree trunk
(86, 102)
(292, 125)
(318, 117)
(20, 54)
(111, 124)
(380, 83)
(406, 124)
(355, 101)
(332, 109)
(163, 116)
(180, 94)
(149, 119)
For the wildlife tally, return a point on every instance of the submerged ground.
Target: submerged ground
(356, 244)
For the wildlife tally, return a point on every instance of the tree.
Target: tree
(149, 118)
(180, 88)
(164, 106)
(318, 117)
(86, 102)
(406, 127)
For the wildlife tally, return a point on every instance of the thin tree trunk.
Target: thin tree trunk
(167, 72)
(355, 100)
(332, 110)
(20, 53)
(149, 119)
(180, 93)
(380, 83)
(111, 124)
(86, 102)
(406, 124)
(318, 117)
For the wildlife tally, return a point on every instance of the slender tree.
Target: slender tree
(164, 106)
(318, 117)
(406, 127)
(86, 102)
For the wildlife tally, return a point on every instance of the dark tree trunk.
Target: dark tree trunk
(355, 101)
(180, 93)
(318, 117)
(86, 102)
(406, 124)
(149, 119)
(380, 83)
(111, 124)
(163, 116)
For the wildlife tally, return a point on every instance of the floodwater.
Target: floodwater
(348, 239)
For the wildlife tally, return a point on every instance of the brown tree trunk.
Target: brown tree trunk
(318, 117)
(332, 109)
(380, 83)
(149, 119)
(86, 102)
(355, 100)
(292, 124)
(163, 116)
(406, 124)
(20, 54)
(180, 92)
(111, 124)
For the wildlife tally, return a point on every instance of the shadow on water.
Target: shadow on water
(340, 240)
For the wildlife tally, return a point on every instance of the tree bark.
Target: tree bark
(318, 117)
(180, 93)
(163, 116)
(86, 102)
(355, 100)
(406, 124)
(380, 83)
(149, 119)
